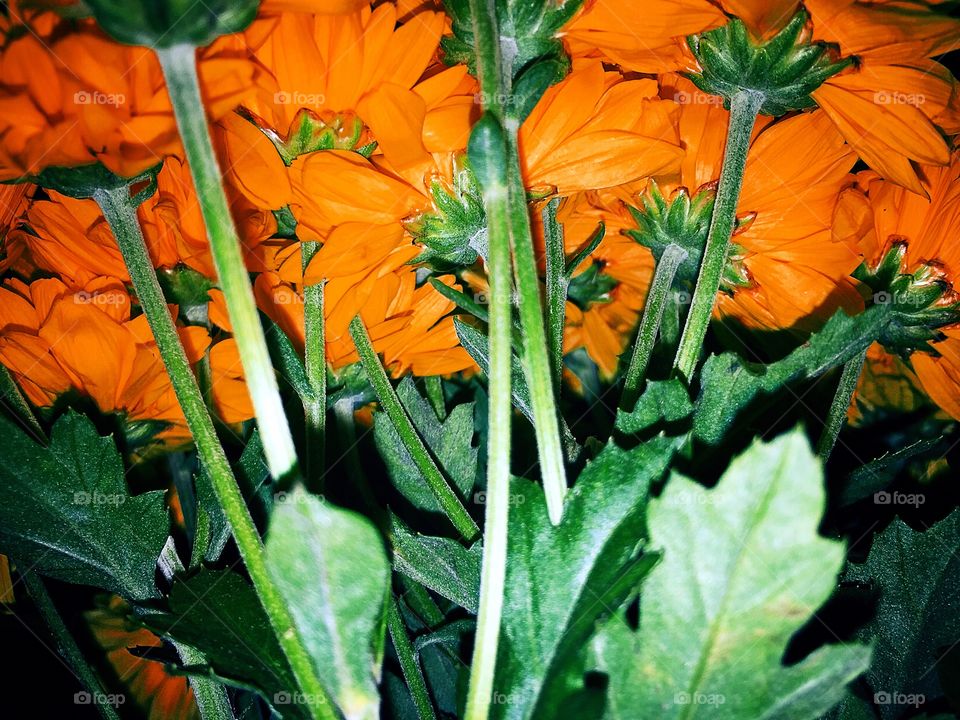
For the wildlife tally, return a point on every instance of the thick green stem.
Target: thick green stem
(744, 107)
(67, 645)
(180, 71)
(493, 569)
(837, 416)
(315, 362)
(210, 695)
(536, 359)
(408, 662)
(660, 288)
(121, 215)
(556, 285)
(442, 490)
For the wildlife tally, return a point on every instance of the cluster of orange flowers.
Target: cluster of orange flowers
(341, 116)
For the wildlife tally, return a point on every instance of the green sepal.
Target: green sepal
(165, 23)
(83, 181)
(456, 234)
(785, 70)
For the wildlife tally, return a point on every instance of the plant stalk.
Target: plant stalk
(180, 71)
(837, 416)
(210, 695)
(556, 286)
(315, 363)
(744, 107)
(493, 568)
(67, 645)
(660, 288)
(408, 661)
(120, 213)
(446, 496)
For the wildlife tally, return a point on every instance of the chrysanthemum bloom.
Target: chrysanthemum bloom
(71, 96)
(54, 338)
(71, 238)
(360, 76)
(162, 695)
(889, 105)
(879, 214)
(410, 326)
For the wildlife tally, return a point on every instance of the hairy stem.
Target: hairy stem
(121, 215)
(660, 288)
(837, 416)
(744, 107)
(67, 645)
(315, 363)
(442, 490)
(556, 285)
(408, 661)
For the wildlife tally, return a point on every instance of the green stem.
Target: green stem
(837, 416)
(66, 643)
(744, 107)
(660, 288)
(493, 569)
(408, 661)
(210, 695)
(556, 285)
(180, 71)
(536, 359)
(441, 488)
(120, 213)
(315, 363)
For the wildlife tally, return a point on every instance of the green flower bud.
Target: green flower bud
(920, 303)
(785, 69)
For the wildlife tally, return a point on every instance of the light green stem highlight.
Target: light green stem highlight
(744, 107)
(315, 363)
(408, 661)
(180, 71)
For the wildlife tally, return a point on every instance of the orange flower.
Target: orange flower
(888, 106)
(353, 70)
(595, 130)
(72, 239)
(162, 696)
(320, 7)
(409, 326)
(71, 96)
(879, 213)
(886, 383)
(54, 338)
(649, 39)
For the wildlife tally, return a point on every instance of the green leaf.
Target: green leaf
(67, 512)
(743, 569)
(560, 580)
(661, 401)
(450, 442)
(728, 384)
(163, 23)
(331, 568)
(218, 613)
(441, 564)
(917, 576)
